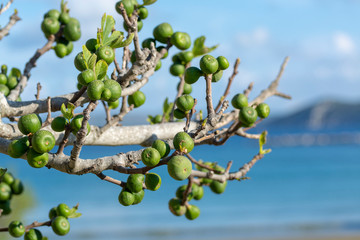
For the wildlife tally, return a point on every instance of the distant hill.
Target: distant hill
(324, 117)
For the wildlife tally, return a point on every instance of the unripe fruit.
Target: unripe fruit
(95, 89)
(106, 94)
(64, 18)
(5, 207)
(18, 147)
(140, 25)
(37, 160)
(60, 50)
(152, 181)
(3, 79)
(30, 123)
(43, 141)
(176, 208)
(113, 105)
(79, 62)
(217, 76)
(52, 13)
(128, 5)
(76, 123)
(17, 187)
(186, 57)
(60, 225)
(162, 147)
(143, 13)
(223, 62)
(179, 167)
(185, 102)
(177, 69)
(16, 229)
(106, 53)
(156, 119)
(5, 192)
(239, 101)
(176, 58)
(150, 157)
(72, 30)
(218, 187)
(138, 197)
(248, 115)
(135, 182)
(192, 212)
(4, 69)
(209, 64)
(114, 88)
(137, 99)
(50, 25)
(147, 42)
(187, 88)
(12, 82)
(58, 124)
(192, 74)
(91, 45)
(183, 142)
(163, 32)
(86, 77)
(33, 234)
(199, 193)
(63, 210)
(4, 89)
(126, 198)
(158, 65)
(180, 193)
(8, 178)
(181, 40)
(263, 110)
(179, 114)
(52, 213)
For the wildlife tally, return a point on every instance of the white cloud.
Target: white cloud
(343, 43)
(257, 37)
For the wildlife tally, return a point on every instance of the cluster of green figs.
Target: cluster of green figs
(59, 222)
(55, 21)
(9, 186)
(8, 81)
(38, 142)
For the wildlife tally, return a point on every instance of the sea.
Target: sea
(294, 191)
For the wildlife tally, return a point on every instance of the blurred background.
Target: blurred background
(307, 188)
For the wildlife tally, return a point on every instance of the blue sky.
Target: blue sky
(321, 38)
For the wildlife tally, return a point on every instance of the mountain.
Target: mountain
(323, 117)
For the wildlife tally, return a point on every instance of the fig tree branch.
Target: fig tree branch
(32, 225)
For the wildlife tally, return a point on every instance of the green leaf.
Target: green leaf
(118, 44)
(15, 72)
(86, 55)
(148, 2)
(262, 142)
(109, 25)
(199, 47)
(63, 109)
(75, 215)
(113, 37)
(101, 69)
(92, 61)
(149, 119)
(102, 27)
(71, 107)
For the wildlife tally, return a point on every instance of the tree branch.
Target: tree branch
(5, 30)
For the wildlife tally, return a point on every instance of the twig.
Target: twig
(38, 89)
(64, 140)
(32, 225)
(48, 118)
(227, 90)
(210, 107)
(5, 30)
(201, 165)
(107, 112)
(81, 134)
(110, 179)
(188, 190)
(6, 7)
(14, 94)
(77, 95)
(248, 89)
(189, 116)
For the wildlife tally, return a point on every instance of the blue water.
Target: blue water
(295, 191)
